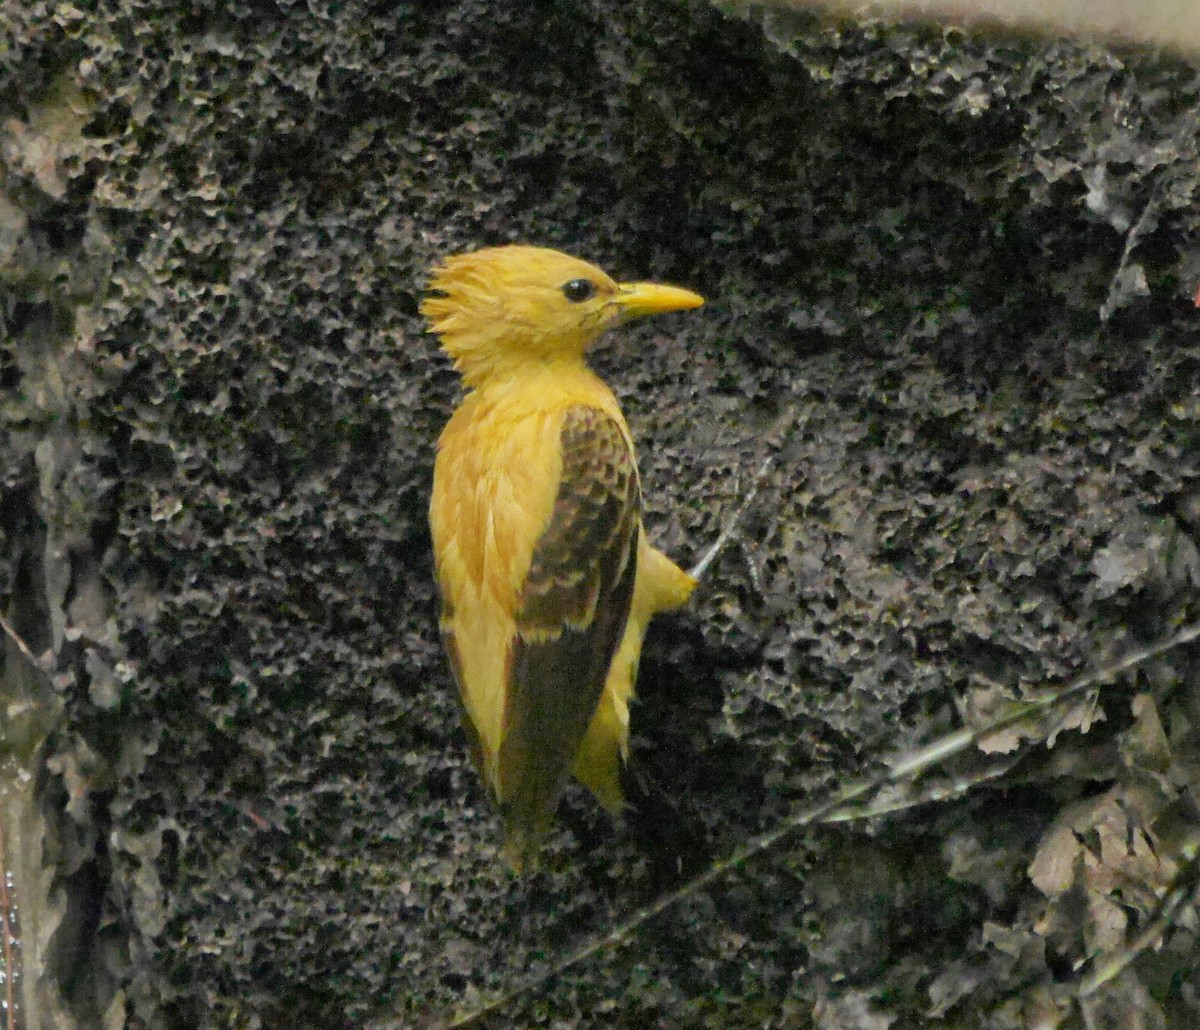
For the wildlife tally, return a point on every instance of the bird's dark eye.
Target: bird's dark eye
(579, 290)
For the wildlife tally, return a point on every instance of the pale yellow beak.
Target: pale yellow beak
(637, 299)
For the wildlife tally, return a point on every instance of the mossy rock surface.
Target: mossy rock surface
(949, 283)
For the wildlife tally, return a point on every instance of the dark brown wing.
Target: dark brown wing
(574, 606)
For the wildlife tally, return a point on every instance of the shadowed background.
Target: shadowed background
(949, 281)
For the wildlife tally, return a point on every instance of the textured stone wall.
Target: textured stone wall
(950, 287)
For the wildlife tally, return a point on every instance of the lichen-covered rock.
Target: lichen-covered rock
(949, 283)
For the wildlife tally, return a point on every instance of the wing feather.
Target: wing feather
(573, 606)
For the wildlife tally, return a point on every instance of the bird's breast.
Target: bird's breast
(496, 477)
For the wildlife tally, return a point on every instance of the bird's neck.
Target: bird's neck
(499, 369)
(543, 385)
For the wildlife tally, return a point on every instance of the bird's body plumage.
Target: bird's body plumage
(548, 582)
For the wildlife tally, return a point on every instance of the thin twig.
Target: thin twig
(1185, 134)
(10, 1017)
(782, 427)
(904, 767)
(1131, 238)
(10, 1007)
(17, 639)
(1182, 890)
(701, 567)
(935, 793)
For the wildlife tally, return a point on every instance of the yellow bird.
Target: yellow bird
(547, 579)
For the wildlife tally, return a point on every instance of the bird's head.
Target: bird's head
(504, 307)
